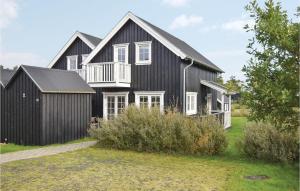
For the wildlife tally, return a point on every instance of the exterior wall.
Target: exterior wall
(193, 76)
(78, 47)
(162, 75)
(65, 117)
(21, 118)
(1, 109)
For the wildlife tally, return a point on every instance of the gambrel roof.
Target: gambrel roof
(54, 80)
(177, 46)
(89, 40)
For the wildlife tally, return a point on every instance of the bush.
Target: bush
(263, 141)
(149, 130)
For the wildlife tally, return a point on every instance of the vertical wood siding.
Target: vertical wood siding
(53, 118)
(162, 75)
(193, 76)
(65, 117)
(78, 47)
(22, 115)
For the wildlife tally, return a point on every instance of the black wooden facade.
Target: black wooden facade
(165, 73)
(32, 117)
(78, 47)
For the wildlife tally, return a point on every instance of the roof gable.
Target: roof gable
(89, 40)
(177, 46)
(5, 76)
(54, 80)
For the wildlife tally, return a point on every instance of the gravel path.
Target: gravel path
(52, 150)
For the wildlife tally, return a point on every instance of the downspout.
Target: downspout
(184, 94)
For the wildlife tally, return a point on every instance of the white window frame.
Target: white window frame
(193, 109)
(68, 61)
(83, 55)
(116, 46)
(114, 94)
(161, 94)
(137, 53)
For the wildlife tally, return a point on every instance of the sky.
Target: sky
(33, 31)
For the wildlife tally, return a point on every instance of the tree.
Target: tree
(220, 79)
(272, 74)
(234, 85)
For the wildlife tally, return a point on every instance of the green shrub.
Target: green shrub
(149, 130)
(263, 141)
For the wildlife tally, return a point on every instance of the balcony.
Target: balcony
(108, 74)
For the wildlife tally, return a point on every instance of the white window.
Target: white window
(148, 99)
(72, 62)
(191, 103)
(143, 53)
(114, 103)
(121, 53)
(83, 57)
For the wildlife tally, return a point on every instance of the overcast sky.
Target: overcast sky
(33, 31)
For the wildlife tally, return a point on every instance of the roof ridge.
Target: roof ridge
(49, 69)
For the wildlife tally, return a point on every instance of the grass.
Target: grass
(104, 169)
(6, 148)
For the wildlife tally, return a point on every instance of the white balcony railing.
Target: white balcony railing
(108, 72)
(82, 73)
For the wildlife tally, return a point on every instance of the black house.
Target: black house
(43, 106)
(139, 63)
(5, 75)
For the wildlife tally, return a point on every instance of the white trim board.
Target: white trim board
(211, 85)
(144, 26)
(68, 44)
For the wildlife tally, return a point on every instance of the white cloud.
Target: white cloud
(8, 12)
(183, 21)
(176, 3)
(11, 59)
(237, 25)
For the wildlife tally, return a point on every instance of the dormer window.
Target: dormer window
(121, 52)
(72, 62)
(143, 53)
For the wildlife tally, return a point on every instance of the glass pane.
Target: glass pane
(143, 101)
(144, 52)
(110, 107)
(121, 104)
(72, 63)
(155, 101)
(188, 103)
(192, 102)
(121, 54)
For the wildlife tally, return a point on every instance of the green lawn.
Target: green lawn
(104, 169)
(6, 148)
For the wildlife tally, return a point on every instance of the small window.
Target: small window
(121, 53)
(83, 57)
(143, 52)
(72, 62)
(149, 99)
(191, 103)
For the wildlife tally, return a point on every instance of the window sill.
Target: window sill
(143, 63)
(191, 113)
